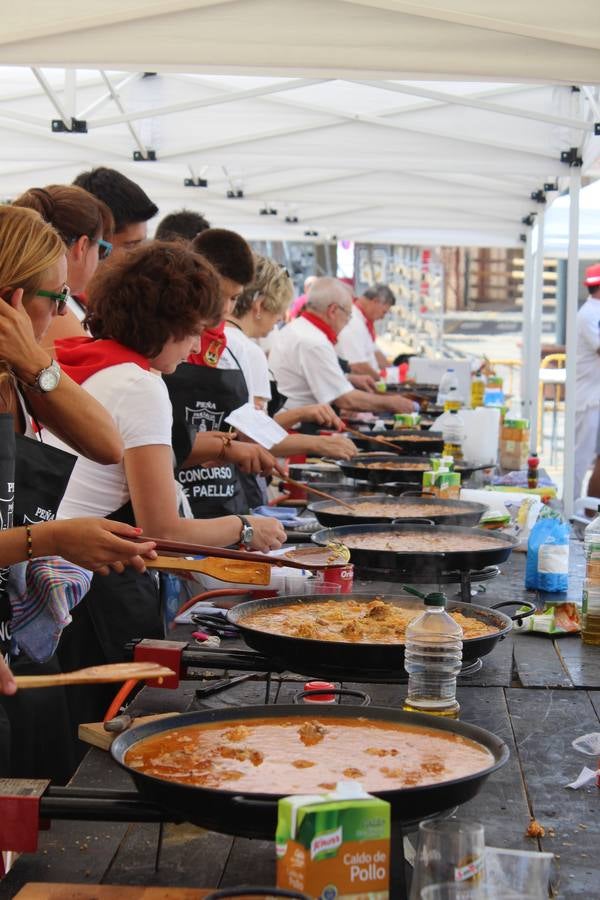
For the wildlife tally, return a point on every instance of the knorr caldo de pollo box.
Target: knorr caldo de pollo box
(334, 846)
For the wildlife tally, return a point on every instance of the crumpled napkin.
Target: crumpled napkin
(586, 776)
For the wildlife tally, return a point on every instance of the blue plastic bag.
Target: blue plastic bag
(548, 556)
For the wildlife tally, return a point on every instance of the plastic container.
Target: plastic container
(326, 697)
(494, 391)
(448, 388)
(454, 433)
(590, 608)
(432, 658)
(532, 471)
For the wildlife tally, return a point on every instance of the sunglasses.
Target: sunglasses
(104, 248)
(60, 297)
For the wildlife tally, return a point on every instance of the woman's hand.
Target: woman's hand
(251, 458)
(96, 544)
(18, 346)
(336, 446)
(269, 534)
(362, 383)
(7, 681)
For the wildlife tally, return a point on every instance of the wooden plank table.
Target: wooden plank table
(535, 692)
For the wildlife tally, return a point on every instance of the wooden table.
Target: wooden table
(536, 693)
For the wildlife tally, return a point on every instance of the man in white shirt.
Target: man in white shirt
(587, 390)
(304, 359)
(357, 341)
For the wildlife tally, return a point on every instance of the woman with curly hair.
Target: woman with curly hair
(146, 313)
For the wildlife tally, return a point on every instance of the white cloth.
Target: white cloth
(305, 366)
(253, 358)
(235, 356)
(355, 344)
(139, 403)
(587, 422)
(587, 392)
(77, 309)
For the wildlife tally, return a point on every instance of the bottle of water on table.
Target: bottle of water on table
(433, 658)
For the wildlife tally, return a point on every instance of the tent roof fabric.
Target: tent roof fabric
(374, 38)
(337, 113)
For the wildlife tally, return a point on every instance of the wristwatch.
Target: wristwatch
(247, 532)
(46, 379)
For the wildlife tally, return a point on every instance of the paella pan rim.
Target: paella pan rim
(125, 741)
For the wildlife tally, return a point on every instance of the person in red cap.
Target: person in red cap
(587, 391)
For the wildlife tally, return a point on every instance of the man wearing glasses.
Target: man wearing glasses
(304, 359)
(357, 341)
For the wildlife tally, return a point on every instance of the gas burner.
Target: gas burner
(464, 578)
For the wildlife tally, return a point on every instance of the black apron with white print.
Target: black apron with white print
(202, 397)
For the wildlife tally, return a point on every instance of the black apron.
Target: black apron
(39, 720)
(202, 397)
(7, 488)
(116, 609)
(277, 401)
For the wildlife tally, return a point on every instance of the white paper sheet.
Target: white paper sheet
(256, 425)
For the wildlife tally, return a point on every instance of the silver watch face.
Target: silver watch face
(48, 378)
(247, 534)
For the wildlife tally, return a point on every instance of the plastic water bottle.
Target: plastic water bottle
(448, 385)
(432, 658)
(454, 433)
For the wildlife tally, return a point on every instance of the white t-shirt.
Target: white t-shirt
(254, 359)
(355, 344)
(305, 365)
(587, 391)
(139, 403)
(236, 356)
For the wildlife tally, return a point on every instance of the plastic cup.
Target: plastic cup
(448, 890)
(517, 874)
(450, 850)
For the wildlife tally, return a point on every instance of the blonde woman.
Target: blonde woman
(260, 307)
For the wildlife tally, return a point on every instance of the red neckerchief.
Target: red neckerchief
(82, 357)
(212, 345)
(368, 323)
(321, 325)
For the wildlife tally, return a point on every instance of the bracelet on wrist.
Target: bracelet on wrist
(29, 541)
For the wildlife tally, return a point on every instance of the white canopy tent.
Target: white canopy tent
(373, 120)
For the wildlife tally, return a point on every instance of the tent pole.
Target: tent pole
(535, 335)
(571, 343)
(527, 302)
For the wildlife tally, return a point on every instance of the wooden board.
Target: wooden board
(42, 891)
(545, 723)
(93, 732)
(537, 662)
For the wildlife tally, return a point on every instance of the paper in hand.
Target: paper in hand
(256, 425)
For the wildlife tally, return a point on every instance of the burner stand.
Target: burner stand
(464, 577)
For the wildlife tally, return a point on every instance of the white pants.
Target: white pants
(586, 431)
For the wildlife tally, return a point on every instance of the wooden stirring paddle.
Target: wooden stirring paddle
(324, 494)
(179, 548)
(235, 571)
(375, 439)
(141, 671)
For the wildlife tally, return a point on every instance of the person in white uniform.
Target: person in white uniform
(587, 390)
(305, 363)
(357, 342)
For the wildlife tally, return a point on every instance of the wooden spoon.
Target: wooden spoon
(142, 671)
(324, 494)
(374, 439)
(235, 571)
(178, 548)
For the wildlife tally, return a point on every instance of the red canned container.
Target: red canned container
(334, 579)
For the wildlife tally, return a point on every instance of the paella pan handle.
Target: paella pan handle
(259, 805)
(417, 494)
(518, 617)
(416, 520)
